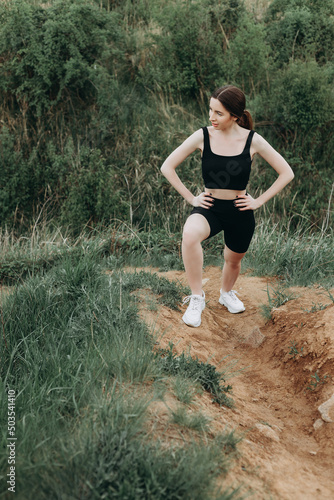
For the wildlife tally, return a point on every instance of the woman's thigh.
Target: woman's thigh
(196, 228)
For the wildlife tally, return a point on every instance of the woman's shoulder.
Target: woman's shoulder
(261, 146)
(193, 142)
(258, 142)
(196, 137)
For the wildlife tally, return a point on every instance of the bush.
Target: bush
(92, 191)
(59, 99)
(300, 29)
(300, 107)
(17, 187)
(95, 95)
(247, 57)
(48, 53)
(187, 54)
(301, 97)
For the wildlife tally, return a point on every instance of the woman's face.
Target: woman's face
(220, 118)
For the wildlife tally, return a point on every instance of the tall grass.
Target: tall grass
(301, 256)
(82, 365)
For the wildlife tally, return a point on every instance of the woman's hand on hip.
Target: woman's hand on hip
(246, 202)
(203, 200)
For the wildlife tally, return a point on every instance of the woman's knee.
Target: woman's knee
(195, 231)
(233, 258)
(190, 236)
(233, 264)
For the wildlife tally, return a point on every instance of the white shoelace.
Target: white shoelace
(195, 302)
(232, 294)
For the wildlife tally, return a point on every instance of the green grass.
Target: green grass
(85, 367)
(196, 421)
(299, 257)
(82, 365)
(302, 256)
(203, 373)
(170, 291)
(185, 390)
(277, 296)
(43, 248)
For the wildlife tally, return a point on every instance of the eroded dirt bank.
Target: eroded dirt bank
(286, 372)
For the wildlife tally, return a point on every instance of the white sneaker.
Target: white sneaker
(192, 316)
(229, 300)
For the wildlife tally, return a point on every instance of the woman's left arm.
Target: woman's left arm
(278, 163)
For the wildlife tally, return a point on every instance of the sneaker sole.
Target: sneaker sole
(229, 309)
(191, 324)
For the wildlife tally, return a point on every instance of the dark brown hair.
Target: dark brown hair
(234, 100)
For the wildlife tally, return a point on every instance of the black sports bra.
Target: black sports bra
(226, 172)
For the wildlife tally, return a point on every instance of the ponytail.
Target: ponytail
(246, 120)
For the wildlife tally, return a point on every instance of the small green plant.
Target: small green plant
(294, 350)
(280, 295)
(186, 390)
(196, 421)
(150, 300)
(170, 291)
(330, 295)
(316, 380)
(203, 373)
(316, 307)
(266, 311)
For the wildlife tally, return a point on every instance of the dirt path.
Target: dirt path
(277, 392)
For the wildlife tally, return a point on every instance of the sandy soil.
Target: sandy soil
(285, 371)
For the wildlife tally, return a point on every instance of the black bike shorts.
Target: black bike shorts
(238, 226)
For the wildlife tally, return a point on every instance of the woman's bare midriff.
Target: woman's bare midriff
(225, 194)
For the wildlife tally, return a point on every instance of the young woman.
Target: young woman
(227, 147)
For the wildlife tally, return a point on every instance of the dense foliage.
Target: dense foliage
(96, 94)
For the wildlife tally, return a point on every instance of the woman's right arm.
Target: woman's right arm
(193, 142)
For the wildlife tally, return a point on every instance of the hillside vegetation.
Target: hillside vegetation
(96, 94)
(114, 396)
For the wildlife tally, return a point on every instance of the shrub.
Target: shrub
(247, 57)
(299, 28)
(17, 186)
(48, 53)
(301, 97)
(187, 55)
(58, 94)
(92, 191)
(300, 107)
(95, 95)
